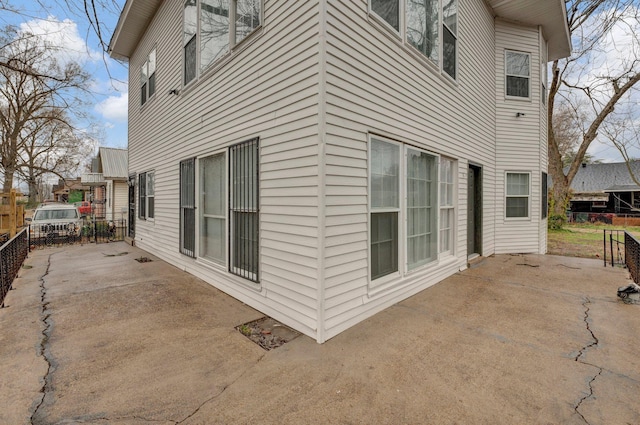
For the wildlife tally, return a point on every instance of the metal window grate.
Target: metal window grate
(244, 210)
(188, 207)
(142, 196)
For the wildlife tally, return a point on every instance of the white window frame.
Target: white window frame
(507, 195)
(507, 75)
(150, 194)
(382, 210)
(403, 267)
(200, 210)
(233, 43)
(147, 74)
(449, 208)
(402, 33)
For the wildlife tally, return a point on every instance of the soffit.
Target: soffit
(134, 20)
(551, 15)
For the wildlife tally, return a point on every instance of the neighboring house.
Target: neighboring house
(109, 182)
(322, 160)
(606, 188)
(65, 190)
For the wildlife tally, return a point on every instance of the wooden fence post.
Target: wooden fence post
(12, 213)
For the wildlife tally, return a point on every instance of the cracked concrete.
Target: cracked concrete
(128, 343)
(593, 343)
(44, 346)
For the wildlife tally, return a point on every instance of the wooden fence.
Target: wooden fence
(11, 214)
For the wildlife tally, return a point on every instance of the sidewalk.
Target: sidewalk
(92, 336)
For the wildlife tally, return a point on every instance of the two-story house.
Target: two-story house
(321, 160)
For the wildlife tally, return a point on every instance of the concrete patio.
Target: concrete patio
(92, 336)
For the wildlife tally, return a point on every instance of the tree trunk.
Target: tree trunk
(33, 192)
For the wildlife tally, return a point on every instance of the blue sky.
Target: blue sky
(69, 28)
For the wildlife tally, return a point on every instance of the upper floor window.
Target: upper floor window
(518, 72)
(430, 26)
(148, 78)
(212, 28)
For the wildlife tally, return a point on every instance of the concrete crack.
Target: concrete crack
(45, 316)
(226, 387)
(593, 343)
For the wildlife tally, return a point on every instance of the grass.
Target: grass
(585, 239)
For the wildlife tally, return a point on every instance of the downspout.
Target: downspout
(322, 69)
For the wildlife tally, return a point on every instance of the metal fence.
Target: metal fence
(12, 255)
(613, 243)
(88, 231)
(632, 256)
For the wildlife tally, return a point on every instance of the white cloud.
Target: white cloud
(114, 108)
(63, 35)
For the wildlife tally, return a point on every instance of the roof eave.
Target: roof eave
(132, 24)
(551, 15)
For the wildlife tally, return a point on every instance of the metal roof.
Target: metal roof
(612, 177)
(551, 15)
(114, 163)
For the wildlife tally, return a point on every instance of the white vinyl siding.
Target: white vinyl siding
(520, 141)
(268, 88)
(374, 85)
(325, 78)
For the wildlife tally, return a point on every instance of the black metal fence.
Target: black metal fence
(12, 255)
(87, 231)
(613, 243)
(632, 255)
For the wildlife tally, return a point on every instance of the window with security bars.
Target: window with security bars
(188, 207)
(142, 196)
(244, 210)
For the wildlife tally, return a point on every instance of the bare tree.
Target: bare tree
(51, 148)
(35, 92)
(589, 78)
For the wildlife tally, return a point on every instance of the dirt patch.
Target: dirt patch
(144, 260)
(268, 333)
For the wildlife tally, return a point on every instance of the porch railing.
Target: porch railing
(12, 255)
(632, 256)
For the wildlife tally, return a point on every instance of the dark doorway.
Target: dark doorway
(474, 211)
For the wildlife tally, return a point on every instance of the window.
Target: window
(404, 189)
(447, 187)
(148, 78)
(517, 202)
(213, 217)
(385, 208)
(212, 28)
(243, 208)
(388, 10)
(188, 207)
(518, 74)
(142, 195)
(544, 189)
(421, 208)
(150, 194)
(146, 195)
(431, 27)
